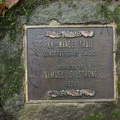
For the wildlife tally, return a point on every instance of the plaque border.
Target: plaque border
(115, 99)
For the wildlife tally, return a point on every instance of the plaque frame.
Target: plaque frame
(115, 99)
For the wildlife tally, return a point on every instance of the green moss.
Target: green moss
(117, 19)
(105, 12)
(11, 71)
(93, 116)
(116, 113)
(23, 8)
(108, 112)
(0, 1)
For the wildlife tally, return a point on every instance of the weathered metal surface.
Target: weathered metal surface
(70, 63)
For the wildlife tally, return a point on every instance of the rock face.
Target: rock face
(13, 104)
(81, 11)
(57, 111)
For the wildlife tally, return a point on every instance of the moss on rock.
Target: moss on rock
(11, 60)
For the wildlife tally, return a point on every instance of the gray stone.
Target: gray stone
(82, 11)
(22, 20)
(58, 111)
(7, 46)
(13, 105)
(112, 7)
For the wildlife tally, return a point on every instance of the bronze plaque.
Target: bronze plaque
(70, 63)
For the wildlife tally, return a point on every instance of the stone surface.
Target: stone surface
(82, 11)
(13, 105)
(58, 111)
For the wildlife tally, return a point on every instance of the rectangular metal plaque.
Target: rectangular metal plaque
(70, 63)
